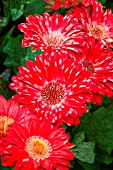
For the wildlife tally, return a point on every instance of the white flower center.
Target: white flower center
(54, 39)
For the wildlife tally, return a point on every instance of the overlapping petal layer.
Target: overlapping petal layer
(55, 35)
(40, 146)
(56, 4)
(99, 62)
(53, 88)
(96, 22)
(11, 116)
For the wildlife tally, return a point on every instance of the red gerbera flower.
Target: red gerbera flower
(11, 115)
(56, 4)
(53, 34)
(54, 88)
(96, 22)
(99, 62)
(40, 146)
(84, 2)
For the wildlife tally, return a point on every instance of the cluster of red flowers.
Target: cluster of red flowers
(74, 69)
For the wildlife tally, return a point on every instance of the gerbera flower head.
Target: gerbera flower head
(98, 60)
(56, 4)
(53, 88)
(96, 22)
(53, 34)
(83, 2)
(11, 116)
(43, 146)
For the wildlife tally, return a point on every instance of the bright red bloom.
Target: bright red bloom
(53, 34)
(54, 88)
(99, 62)
(84, 2)
(11, 115)
(41, 147)
(56, 4)
(96, 22)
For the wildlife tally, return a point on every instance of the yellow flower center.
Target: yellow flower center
(5, 123)
(53, 93)
(38, 148)
(53, 39)
(98, 31)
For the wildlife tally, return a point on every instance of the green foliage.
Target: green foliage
(103, 1)
(98, 127)
(93, 138)
(37, 7)
(84, 151)
(17, 55)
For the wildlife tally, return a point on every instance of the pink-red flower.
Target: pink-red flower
(41, 147)
(96, 22)
(84, 2)
(99, 62)
(53, 88)
(11, 116)
(56, 4)
(53, 34)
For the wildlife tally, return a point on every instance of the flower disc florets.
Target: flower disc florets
(53, 88)
(39, 146)
(55, 35)
(96, 22)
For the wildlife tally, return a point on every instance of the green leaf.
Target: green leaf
(79, 137)
(106, 101)
(98, 127)
(102, 1)
(104, 158)
(84, 151)
(7, 14)
(37, 7)
(4, 87)
(17, 12)
(110, 107)
(17, 55)
(4, 21)
(14, 8)
(87, 166)
(5, 38)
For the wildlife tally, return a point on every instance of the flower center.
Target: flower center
(38, 148)
(88, 65)
(53, 93)
(5, 123)
(54, 39)
(98, 31)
